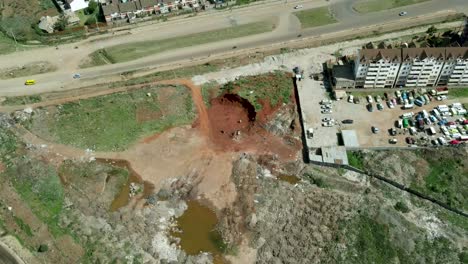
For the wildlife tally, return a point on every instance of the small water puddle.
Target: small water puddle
(197, 225)
(289, 178)
(123, 197)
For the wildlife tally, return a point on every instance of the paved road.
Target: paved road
(67, 58)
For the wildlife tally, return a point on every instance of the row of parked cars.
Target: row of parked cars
(454, 130)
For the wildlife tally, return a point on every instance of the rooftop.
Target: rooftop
(350, 138)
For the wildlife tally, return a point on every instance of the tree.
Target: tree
(92, 7)
(61, 23)
(431, 30)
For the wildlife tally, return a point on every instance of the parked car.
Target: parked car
(375, 130)
(326, 111)
(369, 99)
(76, 76)
(347, 121)
(380, 106)
(392, 141)
(326, 119)
(390, 104)
(392, 131)
(410, 140)
(298, 7)
(357, 100)
(403, 13)
(350, 99)
(378, 99)
(370, 108)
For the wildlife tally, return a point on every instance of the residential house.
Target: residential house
(47, 23)
(111, 11)
(76, 5)
(148, 6)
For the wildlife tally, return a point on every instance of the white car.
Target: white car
(369, 99)
(403, 13)
(298, 7)
(326, 119)
(327, 111)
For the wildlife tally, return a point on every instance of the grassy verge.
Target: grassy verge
(367, 6)
(27, 70)
(459, 92)
(356, 159)
(209, 91)
(270, 88)
(22, 100)
(315, 17)
(7, 45)
(132, 51)
(113, 122)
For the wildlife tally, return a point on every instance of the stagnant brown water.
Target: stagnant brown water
(289, 178)
(198, 231)
(123, 197)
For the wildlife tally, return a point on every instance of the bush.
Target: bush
(61, 23)
(431, 30)
(402, 207)
(43, 248)
(90, 21)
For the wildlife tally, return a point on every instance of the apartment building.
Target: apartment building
(422, 66)
(377, 68)
(459, 74)
(411, 67)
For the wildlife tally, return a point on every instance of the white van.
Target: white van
(350, 99)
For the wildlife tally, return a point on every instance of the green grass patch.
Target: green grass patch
(315, 17)
(271, 88)
(447, 178)
(39, 186)
(113, 122)
(46, 4)
(459, 92)
(372, 242)
(136, 50)
(22, 100)
(356, 159)
(367, 6)
(23, 226)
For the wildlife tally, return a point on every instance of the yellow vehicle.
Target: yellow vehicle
(30, 82)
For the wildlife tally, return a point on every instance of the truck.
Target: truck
(441, 90)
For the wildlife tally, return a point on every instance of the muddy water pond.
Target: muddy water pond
(197, 231)
(123, 197)
(289, 178)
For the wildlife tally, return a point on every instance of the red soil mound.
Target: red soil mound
(234, 127)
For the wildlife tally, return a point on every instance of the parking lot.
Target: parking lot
(312, 92)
